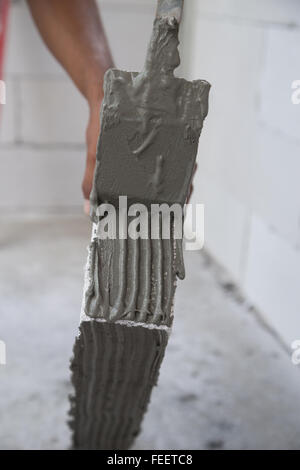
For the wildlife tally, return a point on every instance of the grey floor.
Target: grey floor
(226, 382)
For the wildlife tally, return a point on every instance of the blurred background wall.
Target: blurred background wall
(249, 165)
(249, 156)
(43, 128)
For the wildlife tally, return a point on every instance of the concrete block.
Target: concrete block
(276, 190)
(277, 12)
(225, 221)
(280, 70)
(52, 111)
(272, 279)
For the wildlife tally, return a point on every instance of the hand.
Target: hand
(92, 134)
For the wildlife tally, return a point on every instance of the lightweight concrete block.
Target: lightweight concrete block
(257, 11)
(272, 279)
(225, 221)
(280, 70)
(275, 176)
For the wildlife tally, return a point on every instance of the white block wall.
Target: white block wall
(249, 156)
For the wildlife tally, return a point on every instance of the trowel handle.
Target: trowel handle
(169, 9)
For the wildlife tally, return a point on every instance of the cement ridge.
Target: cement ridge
(114, 369)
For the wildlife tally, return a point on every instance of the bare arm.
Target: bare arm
(73, 31)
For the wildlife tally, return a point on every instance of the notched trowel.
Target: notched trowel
(150, 127)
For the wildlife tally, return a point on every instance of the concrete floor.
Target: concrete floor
(226, 382)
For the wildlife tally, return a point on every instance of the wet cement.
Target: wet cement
(132, 280)
(150, 127)
(114, 370)
(224, 382)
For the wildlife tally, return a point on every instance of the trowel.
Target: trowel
(150, 126)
